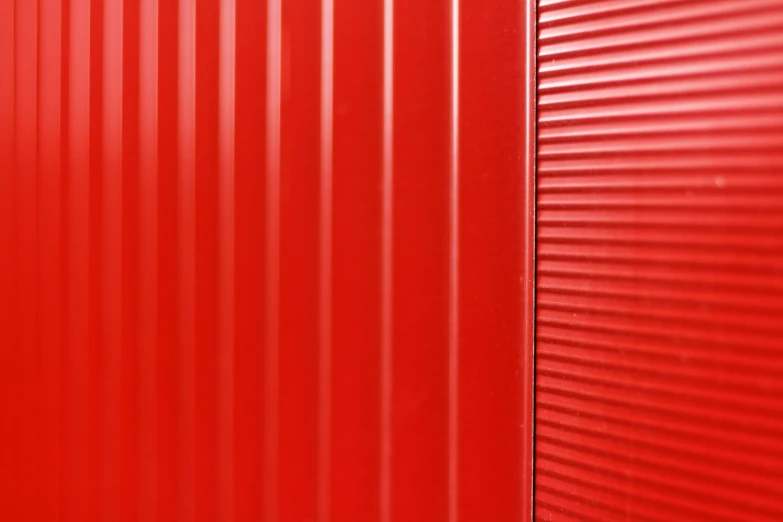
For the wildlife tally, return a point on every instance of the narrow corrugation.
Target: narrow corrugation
(690, 483)
(668, 19)
(661, 311)
(186, 258)
(564, 504)
(79, 281)
(149, 272)
(582, 12)
(112, 260)
(529, 218)
(454, 264)
(9, 262)
(734, 24)
(659, 238)
(25, 246)
(50, 251)
(226, 279)
(694, 458)
(687, 455)
(682, 439)
(271, 317)
(603, 345)
(681, 297)
(618, 355)
(387, 269)
(655, 89)
(325, 292)
(670, 493)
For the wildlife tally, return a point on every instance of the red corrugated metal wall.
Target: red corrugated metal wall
(273, 260)
(266, 260)
(659, 373)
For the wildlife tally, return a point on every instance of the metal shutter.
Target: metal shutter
(659, 392)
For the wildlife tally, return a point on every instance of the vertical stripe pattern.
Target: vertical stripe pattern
(263, 260)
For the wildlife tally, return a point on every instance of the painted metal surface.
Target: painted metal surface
(660, 237)
(266, 260)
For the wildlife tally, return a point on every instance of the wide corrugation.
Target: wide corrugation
(265, 260)
(659, 368)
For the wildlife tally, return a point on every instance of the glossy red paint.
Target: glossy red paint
(493, 431)
(660, 206)
(266, 260)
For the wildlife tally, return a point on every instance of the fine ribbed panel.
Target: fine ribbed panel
(659, 239)
(265, 260)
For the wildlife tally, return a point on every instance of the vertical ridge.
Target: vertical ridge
(111, 259)
(149, 293)
(226, 276)
(454, 270)
(272, 269)
(95, 266)
(63, 268)
(387, 238)
(78, 264)
(186, 259)
(325, 264)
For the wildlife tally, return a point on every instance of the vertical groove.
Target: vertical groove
(186, 255)
(226, 212)
(8, 429)
(95, 266)
(9, 456)
(148, 263)
(325, 265)
(130, 406)
(250, 323)
(170, 382)
(528, 197)
(387, 238)
(454, 271)
(272, 272)
(63, 268)
(25, 246)
(50, 248)
(37, 375)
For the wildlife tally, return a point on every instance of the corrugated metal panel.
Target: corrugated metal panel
(659, 392)
(265, 260)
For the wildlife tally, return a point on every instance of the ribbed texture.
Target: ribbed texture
(262, 261)
(659, 355)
